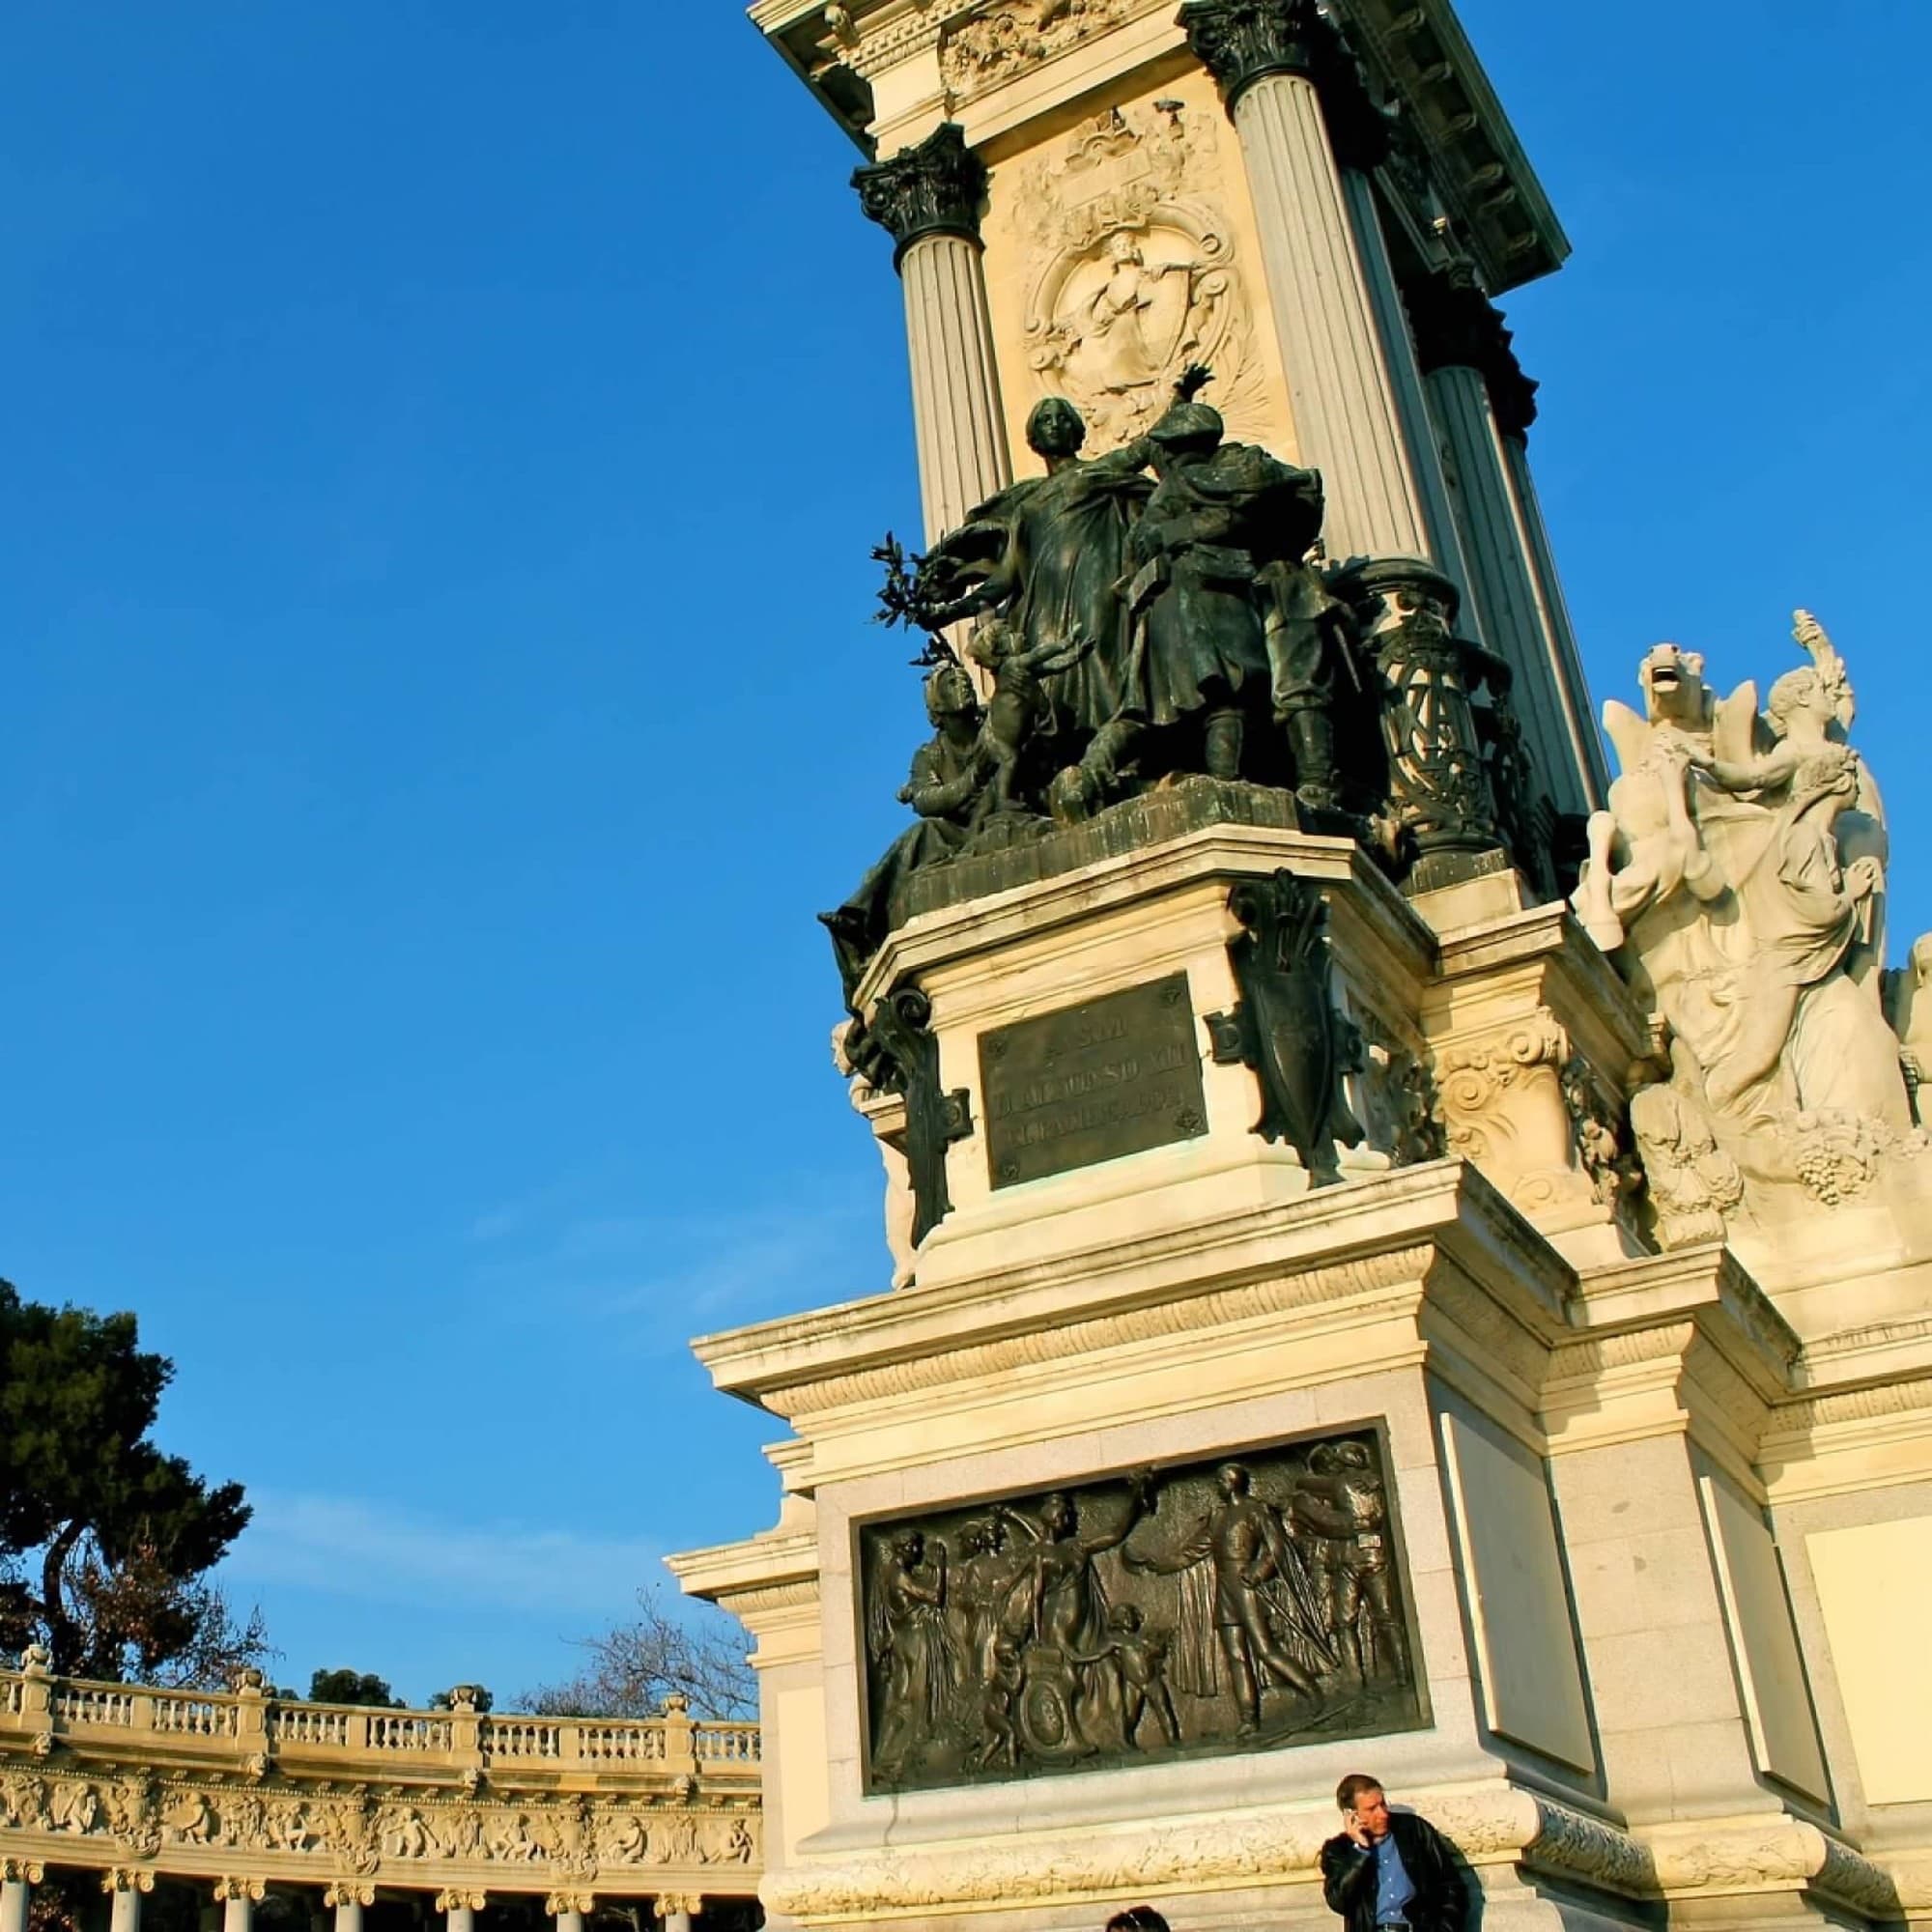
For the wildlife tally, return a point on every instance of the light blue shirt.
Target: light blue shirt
(1394, 1888)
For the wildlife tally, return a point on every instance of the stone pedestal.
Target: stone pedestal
(1223, 1178)
(1567, 1638)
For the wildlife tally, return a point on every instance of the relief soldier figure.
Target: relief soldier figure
(1341, 1501)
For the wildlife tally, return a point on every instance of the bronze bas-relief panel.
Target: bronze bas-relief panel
(1248, 1602)
(1083, 1084)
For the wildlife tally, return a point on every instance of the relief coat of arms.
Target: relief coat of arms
(1132, 273)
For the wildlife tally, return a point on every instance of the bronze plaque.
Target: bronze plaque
(1089, 1082)
(1249, 1603)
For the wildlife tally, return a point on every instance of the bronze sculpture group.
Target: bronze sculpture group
(1227, 1604)
(1158, 612)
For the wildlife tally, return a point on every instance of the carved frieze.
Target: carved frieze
(1250, 1602)
(1010, 37)
(357, 1837)
(1131, 272)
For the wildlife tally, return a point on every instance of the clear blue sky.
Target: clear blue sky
(442, 443)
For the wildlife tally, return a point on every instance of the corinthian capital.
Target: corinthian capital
(1456, 325)
(1240, 41)
(934, 188)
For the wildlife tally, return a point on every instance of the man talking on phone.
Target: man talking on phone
(1384, 1869)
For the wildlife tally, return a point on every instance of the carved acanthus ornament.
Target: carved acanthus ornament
(1456, 326)
(934, 188)
(1505, 1109)
(1131, 272)
(1599, 1135)
(1240, 41)
(1400, 1108)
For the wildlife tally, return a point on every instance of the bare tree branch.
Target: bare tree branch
(633, 1667)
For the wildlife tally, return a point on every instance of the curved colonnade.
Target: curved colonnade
(244, 1796)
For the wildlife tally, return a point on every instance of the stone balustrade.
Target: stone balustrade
(243, 1790)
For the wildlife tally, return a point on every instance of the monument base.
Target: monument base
(1178, 1482)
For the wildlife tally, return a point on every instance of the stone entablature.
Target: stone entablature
(245, 1790)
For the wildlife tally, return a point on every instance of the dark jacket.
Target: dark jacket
(1349, 1878)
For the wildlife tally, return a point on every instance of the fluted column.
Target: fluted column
(1475, 385)
(1411, 398)
(1577, 715)
(237, 1898)
(17, 1879)
(929, 199)
(1265, 55)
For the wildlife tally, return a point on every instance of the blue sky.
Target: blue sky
(442, 443)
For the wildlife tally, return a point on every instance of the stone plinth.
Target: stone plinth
(1570, 1432)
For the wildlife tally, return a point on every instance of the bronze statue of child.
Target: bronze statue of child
(1019, 695)
(1140, 1661)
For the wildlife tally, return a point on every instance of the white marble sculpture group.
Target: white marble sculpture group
(1738, 879)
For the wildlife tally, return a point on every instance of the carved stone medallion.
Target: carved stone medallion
(1131, 272)
(1252, 1603)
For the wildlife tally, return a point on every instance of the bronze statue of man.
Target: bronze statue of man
(946, 790)
(1228, 615)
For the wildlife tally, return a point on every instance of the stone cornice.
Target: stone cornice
(1365, 911)
(1416, 53)
(1539, 956)
(772, 1573)
(1419, 52)
(1333, 1246)
(1680, 1341)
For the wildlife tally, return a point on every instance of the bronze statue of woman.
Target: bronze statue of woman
(1048, 553)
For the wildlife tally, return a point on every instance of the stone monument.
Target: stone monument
(1408, 1254)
